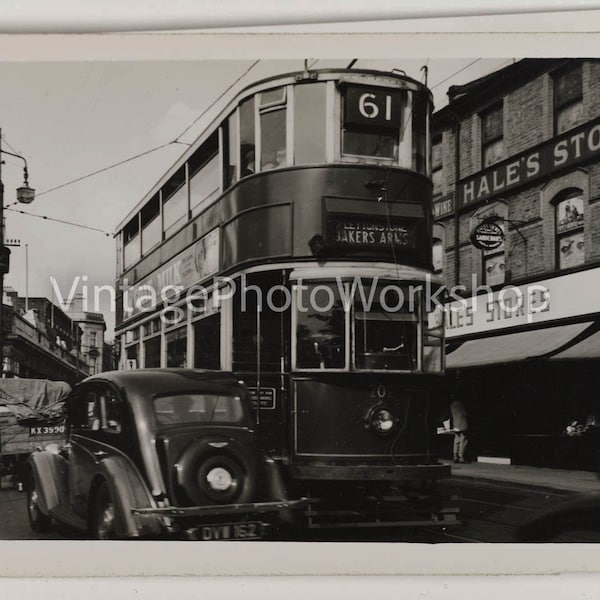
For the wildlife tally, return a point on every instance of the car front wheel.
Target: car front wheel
(39, 521)
(103, 525)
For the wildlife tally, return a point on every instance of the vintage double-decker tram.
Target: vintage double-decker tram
(291, 244)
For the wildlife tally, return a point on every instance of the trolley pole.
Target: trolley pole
(25, 195)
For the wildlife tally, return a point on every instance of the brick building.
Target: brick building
(516, 170)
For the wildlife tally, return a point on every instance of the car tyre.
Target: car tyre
(103, 522)
(39, 521)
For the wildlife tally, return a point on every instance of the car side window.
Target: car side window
(90, 399)
(112, 412)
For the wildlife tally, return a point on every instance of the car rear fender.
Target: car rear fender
(128, 491)
(49, 471)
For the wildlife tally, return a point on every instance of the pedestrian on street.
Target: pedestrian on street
(460, 424)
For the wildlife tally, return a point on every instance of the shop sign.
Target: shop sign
(487, 235)
(568, 150)
(443, 207)
(562, 297)
(354, 231)
(189, 267)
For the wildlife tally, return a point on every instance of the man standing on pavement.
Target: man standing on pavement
(460, 425)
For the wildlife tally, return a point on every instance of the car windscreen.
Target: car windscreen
(198, 408)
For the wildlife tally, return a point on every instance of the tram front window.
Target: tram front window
(385, 341)
(320, 328)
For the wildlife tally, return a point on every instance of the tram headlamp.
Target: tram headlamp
(317, 245)
(380, 420)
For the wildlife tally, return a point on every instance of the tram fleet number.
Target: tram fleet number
(373, 106)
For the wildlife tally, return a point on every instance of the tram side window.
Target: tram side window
(207, 343)
(255, 334)
(320, 327)
(372, 120)
(310, 121)
(231, 152)
(273, 129)
(247, 147)
(419, 133)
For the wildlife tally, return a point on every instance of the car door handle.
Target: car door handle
(98, 454)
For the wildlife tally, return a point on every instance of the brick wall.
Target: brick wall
(528, 121)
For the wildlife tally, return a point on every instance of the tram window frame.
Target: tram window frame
(296, 289)
(278, 106)
(216, 347)
(392, 132)
(350, 365)
(412, 318)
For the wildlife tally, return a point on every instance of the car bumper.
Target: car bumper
(225, 509)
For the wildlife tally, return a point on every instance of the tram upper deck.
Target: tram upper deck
(328, 164)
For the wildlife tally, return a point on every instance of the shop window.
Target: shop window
(272, 109)
(247, 144)
(207, 343)
(152, 352)
(132, 356)
(436, 168)
(492, 136)
(177, 348)
(570, 250)
(568, 99)
(494, 262)
(438, 256)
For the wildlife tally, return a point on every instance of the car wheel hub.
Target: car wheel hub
(107, 518)
(33, 501)
(219, 479)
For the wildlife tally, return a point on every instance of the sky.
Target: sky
(72, 118)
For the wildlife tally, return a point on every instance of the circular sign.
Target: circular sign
(487, 235)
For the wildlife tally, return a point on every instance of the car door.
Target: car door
(99, 437)
(84, 438)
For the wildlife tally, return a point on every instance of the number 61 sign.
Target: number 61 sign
(380, 107)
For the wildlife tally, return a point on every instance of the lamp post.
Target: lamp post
(25, 195)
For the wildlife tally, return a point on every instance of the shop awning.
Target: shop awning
(587, 348)
(513, 346)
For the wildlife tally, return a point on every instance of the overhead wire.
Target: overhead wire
(122, 162)
(64, 222)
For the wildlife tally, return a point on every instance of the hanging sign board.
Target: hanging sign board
(487, 235)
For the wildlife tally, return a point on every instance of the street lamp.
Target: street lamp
(25, 195)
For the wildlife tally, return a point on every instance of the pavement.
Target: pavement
(558, 479)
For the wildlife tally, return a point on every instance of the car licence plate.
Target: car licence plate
(231, 531)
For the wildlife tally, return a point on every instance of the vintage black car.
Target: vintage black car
(158, 452)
